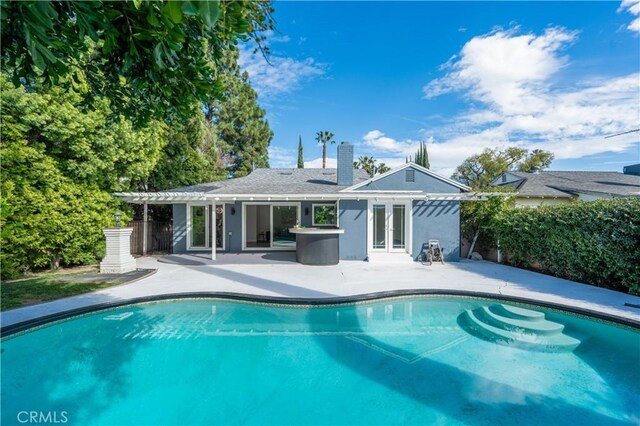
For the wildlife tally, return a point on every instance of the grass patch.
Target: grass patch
(43, 289)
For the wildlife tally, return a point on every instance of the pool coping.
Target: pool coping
(338, 300)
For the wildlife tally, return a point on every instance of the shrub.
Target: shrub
(594, 242)
(48, 220)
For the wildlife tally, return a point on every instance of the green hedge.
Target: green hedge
(594, 242)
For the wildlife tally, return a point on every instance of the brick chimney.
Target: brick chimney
(345, 164)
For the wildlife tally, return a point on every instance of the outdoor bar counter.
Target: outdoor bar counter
(317, 246)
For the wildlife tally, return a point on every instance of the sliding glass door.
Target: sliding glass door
(266, 226)
(199, 227)
(201, 232)
(284, 217)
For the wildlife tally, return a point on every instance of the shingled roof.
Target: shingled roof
(278, 181)
(569, 183)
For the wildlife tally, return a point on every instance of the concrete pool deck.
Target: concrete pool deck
(275, 275)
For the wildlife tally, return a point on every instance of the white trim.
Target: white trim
(408, 224)
(271, 204)
(141, 197)
(313, 206)
(404, 166)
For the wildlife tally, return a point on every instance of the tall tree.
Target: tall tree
(422, 156)
(479, 170)
(147, 57)
(242, 133)
(188, 158)
(60, 160)
(300, 154)
(370, 165)
(324, 137)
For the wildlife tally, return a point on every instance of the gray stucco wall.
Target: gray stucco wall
(436, 220)
(352, 216)
(233, 243)
(423, 182)
(353, 219)
(179, 228)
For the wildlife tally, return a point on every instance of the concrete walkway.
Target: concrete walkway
(253, 274)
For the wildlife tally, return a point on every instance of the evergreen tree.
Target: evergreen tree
(241, 131)
(300, 155)
(422, 156)
(60, 161)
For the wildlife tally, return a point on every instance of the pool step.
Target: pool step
(517, 313)
(517, 327)
(489, 316)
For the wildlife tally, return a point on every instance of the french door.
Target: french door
(388, 227)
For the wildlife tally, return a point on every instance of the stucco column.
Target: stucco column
(118, 259)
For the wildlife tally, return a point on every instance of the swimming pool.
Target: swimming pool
(410, 360)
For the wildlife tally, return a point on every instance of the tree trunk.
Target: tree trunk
(324, 155)
(473, 243)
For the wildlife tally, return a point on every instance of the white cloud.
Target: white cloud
(278, 74)
(281, 157)
(316, 163)
(509, 81)
(633, 7)
(504, 68)
(376, 141)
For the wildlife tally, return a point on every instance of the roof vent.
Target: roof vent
(286, 173)
(328, 173)
(535, 170)
(410, 175)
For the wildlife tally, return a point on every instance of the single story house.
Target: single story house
(537, 188)
(395, 212)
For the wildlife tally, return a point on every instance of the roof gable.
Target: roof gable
(424, 180)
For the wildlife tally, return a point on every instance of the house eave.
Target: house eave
(173, 198)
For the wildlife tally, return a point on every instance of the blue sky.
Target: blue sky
(461, 76)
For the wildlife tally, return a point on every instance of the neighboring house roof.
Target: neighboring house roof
(570, 183)
(278, 181)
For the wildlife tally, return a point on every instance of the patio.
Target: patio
(277, 275)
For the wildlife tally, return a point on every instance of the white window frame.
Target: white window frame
(313, 215)
(207, 226)
(271, 205)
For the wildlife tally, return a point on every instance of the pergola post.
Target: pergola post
(144, 230)
(214, 243)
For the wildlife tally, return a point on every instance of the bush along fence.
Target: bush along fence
(594, 242)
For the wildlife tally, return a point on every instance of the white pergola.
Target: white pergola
(146, 198)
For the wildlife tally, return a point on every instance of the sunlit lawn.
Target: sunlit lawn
(44, 288)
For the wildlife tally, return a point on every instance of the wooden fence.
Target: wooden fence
(159, 237)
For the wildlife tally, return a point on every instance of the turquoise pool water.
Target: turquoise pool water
(418, 360)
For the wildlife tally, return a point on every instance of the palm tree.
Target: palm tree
(324, 136)
(370, 165)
